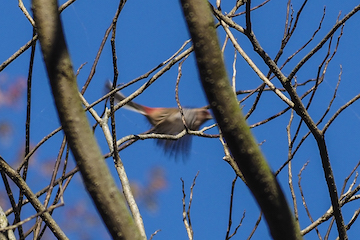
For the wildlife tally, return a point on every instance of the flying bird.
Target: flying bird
(169, 121)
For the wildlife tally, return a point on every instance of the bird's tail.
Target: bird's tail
(130, 105)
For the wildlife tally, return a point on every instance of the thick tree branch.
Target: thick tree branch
(318, 134)
(234, 128)
(96, 175)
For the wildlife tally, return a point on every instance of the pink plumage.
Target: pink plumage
(168, 121)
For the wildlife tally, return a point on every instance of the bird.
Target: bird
(168, 121)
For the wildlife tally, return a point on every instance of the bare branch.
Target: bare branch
(303, 198)
(322, 42)
(186, 213)
(17, 179)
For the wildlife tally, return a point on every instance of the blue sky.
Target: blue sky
(148, 33)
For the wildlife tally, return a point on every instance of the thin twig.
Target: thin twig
(186, 213)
